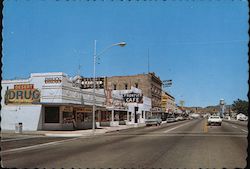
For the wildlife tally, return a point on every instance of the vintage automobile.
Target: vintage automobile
(214, 120)
(153, 121)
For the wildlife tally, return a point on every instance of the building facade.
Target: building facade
(150, 85)
(51, 101)
(168, 103)
(55, 101)
(139, 106)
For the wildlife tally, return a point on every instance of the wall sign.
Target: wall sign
(22, 93)
(67, 109)
(133, 98)
(84, 109)
(53, 80)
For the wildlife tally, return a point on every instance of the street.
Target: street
(183, 144)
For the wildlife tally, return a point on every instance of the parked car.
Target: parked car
(179, 118)
(170, 119)
(153, 121)
(214, 120)
(245, 118)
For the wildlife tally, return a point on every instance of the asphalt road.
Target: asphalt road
(185, 144)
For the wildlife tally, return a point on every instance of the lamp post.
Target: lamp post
(122, 44)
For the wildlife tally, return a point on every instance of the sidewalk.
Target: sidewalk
(74, 133)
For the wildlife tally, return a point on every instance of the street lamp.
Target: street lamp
(122, 44)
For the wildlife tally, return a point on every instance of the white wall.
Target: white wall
(29, 115)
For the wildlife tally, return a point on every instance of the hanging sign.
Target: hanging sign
(88, 83)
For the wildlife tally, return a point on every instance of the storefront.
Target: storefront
(138, 106)
(48, 101)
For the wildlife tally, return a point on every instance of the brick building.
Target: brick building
(168, 102)
(150, 84)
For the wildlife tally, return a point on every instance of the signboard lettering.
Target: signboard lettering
(84, 109)
(133, 98)
(53, 80)
(22, 94)
(88, 83)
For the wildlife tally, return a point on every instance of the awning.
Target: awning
(70, 104)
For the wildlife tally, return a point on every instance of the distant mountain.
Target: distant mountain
(208, 109)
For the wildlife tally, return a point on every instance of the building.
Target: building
(139, 106)
(54, 101)
(168, 102)
(150, 85)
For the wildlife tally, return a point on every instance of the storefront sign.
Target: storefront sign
(23, 93)
(53, 80)
(133, 98)
(84, 109)
(67, 109)
(88, 83)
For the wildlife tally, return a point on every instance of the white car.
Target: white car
(153, 121)
(214, 120)
(179, 118)
(243, 118)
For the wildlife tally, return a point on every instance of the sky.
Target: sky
(200, 45)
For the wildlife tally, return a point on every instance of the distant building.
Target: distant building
(168, 102)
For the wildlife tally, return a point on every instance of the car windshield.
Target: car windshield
(214, 117)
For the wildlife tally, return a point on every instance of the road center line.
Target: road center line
(234, 126)
(175, 127)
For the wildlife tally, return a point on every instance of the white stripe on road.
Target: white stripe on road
(183, 135)
(35, 146)
(16, 139)
(175, 128)
(244, 130)
(234, 126)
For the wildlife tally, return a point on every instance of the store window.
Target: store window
(87, 117)
(51, 114)
(68, 117)
(126, 86)
(105, 116)
(122, 115)
(136, 85)
(116, 115)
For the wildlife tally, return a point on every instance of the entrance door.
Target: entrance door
(136, 117)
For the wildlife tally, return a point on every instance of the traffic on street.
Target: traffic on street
(183, 144)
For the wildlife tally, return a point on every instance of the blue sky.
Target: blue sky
(200, 45)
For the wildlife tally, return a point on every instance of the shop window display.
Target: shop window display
(68, 117)
(122, 116)
(106, 116)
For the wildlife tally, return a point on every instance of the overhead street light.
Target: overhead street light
(121, 44)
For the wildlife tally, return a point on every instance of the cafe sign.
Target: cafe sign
(133, 98)
(22, 93)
